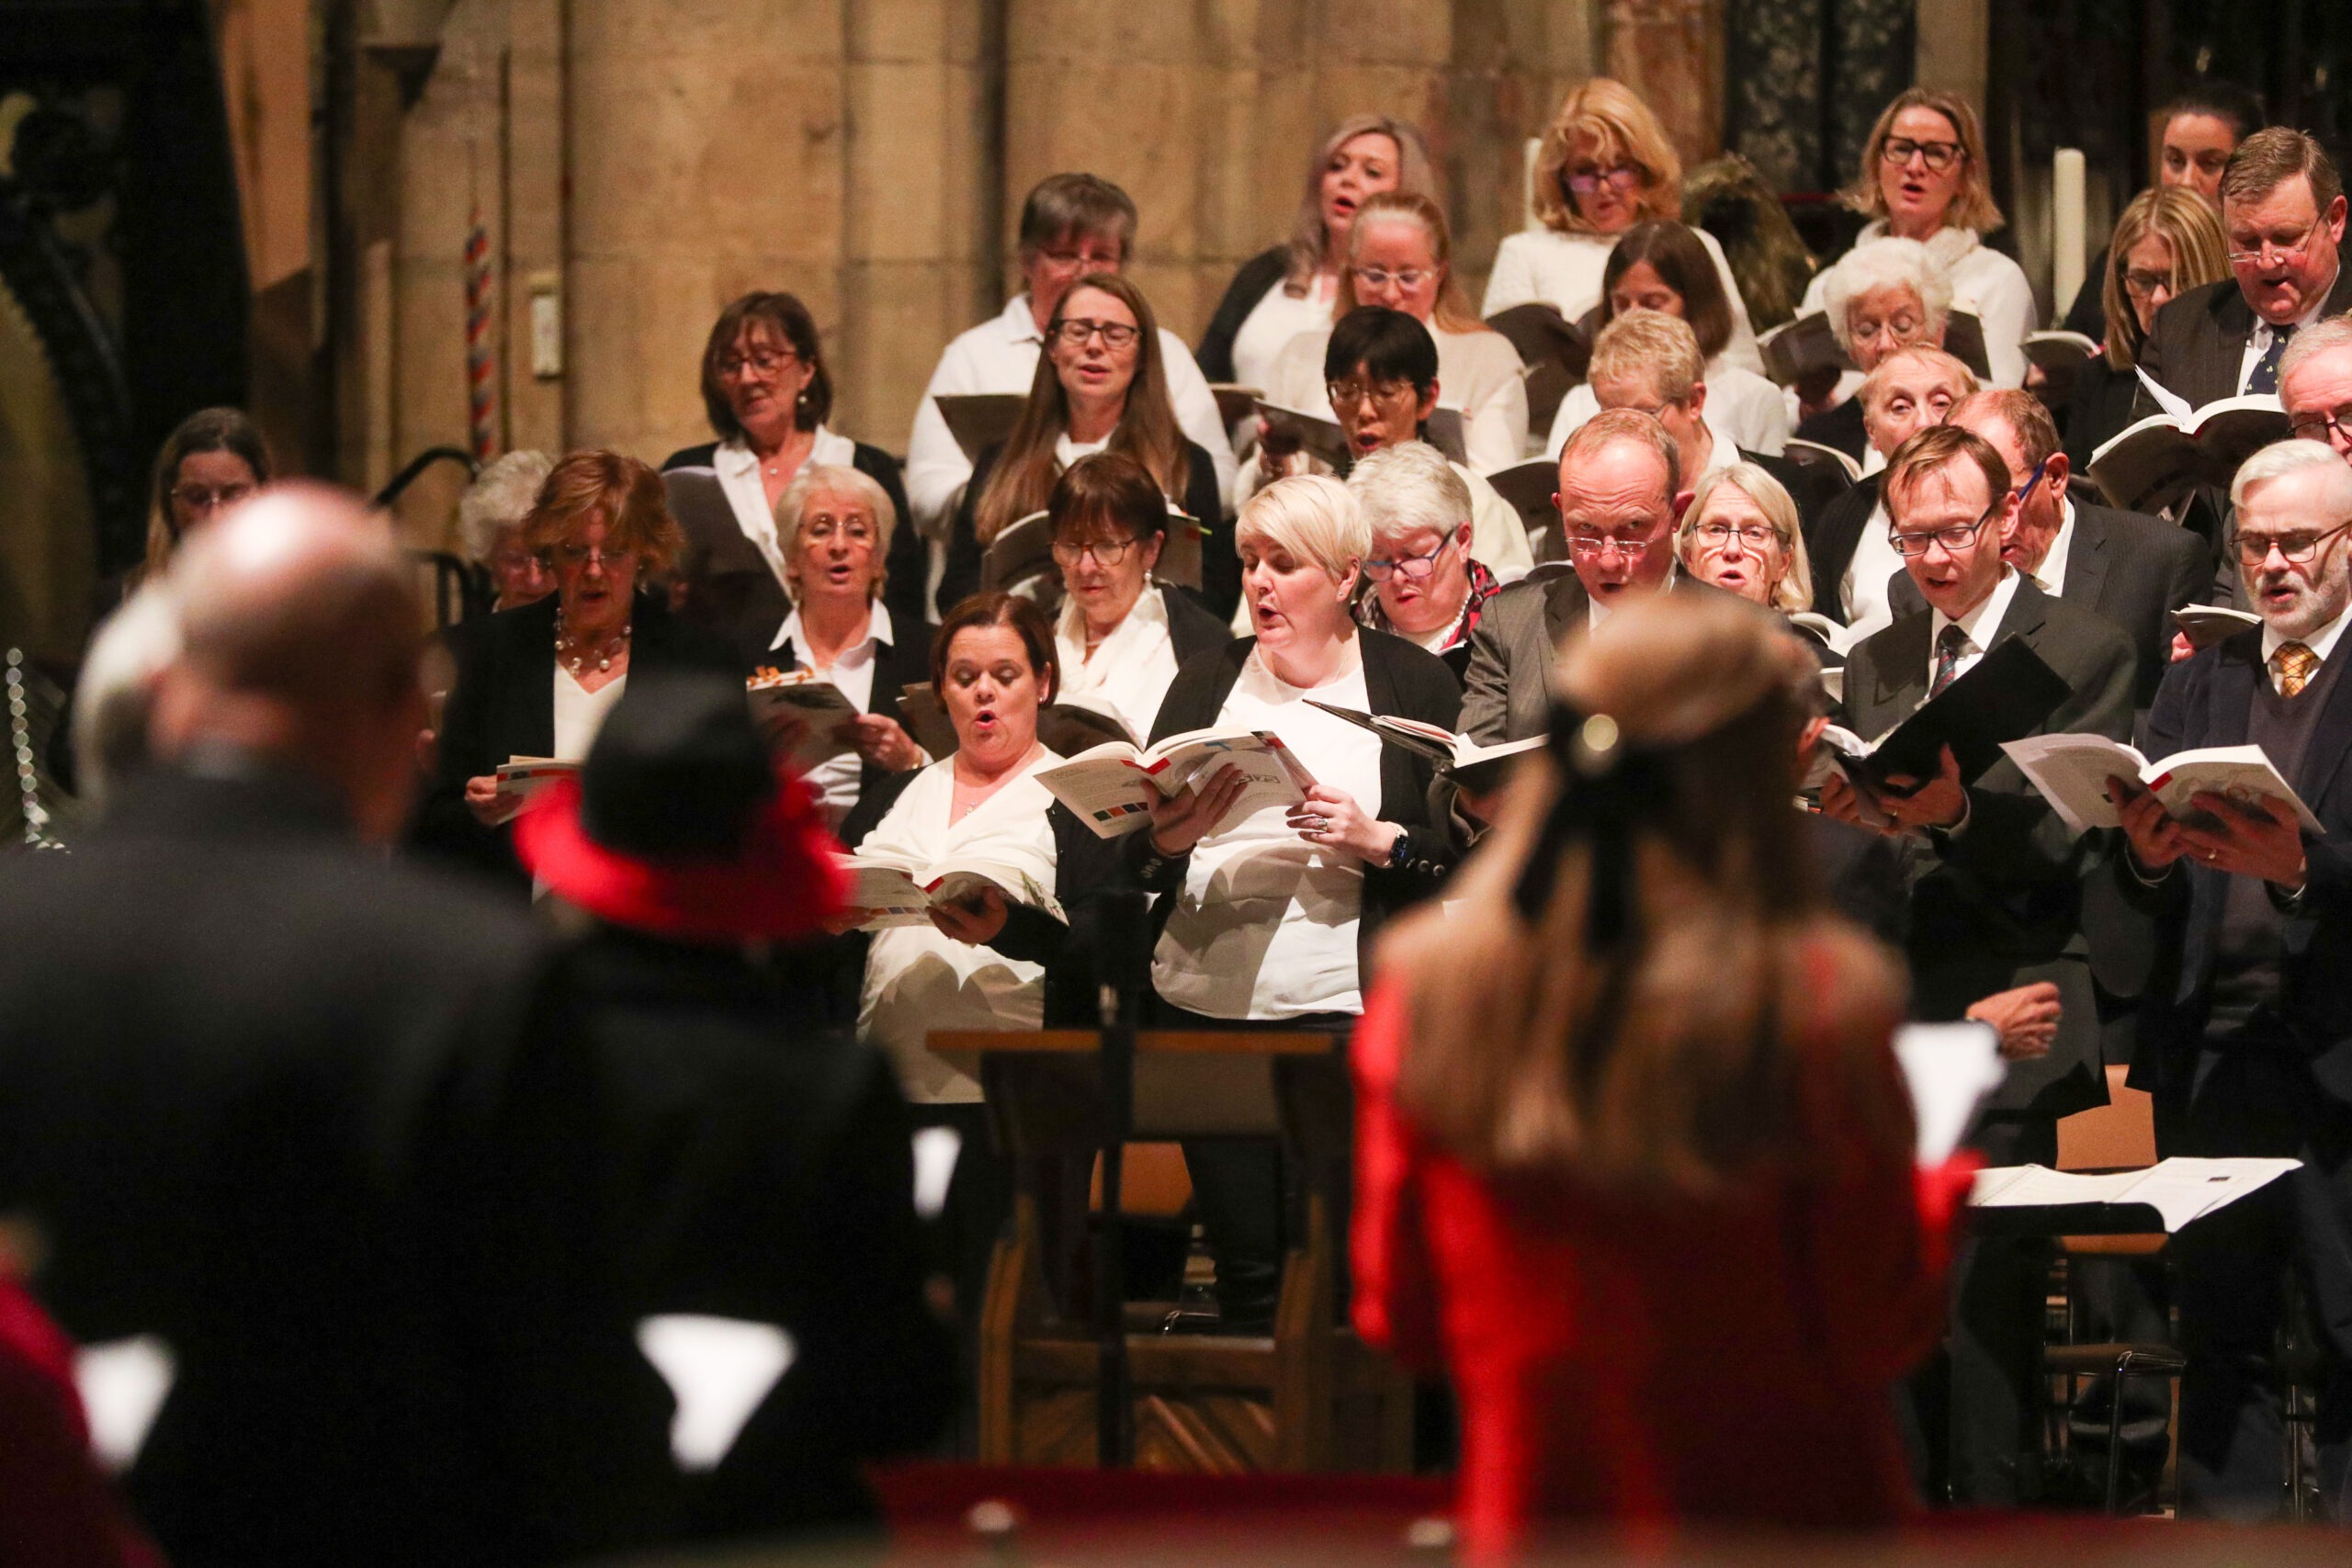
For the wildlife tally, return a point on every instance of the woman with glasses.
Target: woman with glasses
(1288, 291)
(2167, 242)
(1099, 387)
(1605, 166)
(537, 682)
(1740, 534)
(767, 393)
(1422, 581)
(1122, 636)
(1923, 177)
(1400, 256)
(1884, 295)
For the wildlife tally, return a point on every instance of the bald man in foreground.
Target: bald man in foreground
(306, 1115)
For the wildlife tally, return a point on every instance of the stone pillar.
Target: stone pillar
(1671, 52)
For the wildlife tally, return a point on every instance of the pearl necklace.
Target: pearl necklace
(574, 659)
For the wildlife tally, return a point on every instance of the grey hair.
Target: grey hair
(836, 478)
(1794, 590)
(115, 690)
(500, 497)
(2320, 337)
(1409, 485)
(2284, 458)
(1887, 263)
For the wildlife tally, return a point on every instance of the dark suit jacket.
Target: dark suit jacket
(2131, 569)
(2000, 903)
(760, 1169)
(1831, 538)
(1813, 486)
(1401, 681)
(1507, 691)
(2205, 701)
(1864, 874)
(503, 704)
(1220, 566)
(311, 1116)
(2104, 402)
(1839, 426)
(730, 590)
(2199, 340)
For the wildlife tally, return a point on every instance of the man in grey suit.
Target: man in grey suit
(1619, 475)
(1997, 898)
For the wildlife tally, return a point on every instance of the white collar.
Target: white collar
(736, 460)
(877, 630)
(2264, 332)
(2322, 642)
(1150, 608)
(1982, 623)
(2051, 577)
(1020, 322)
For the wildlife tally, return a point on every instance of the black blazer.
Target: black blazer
(760, 1169)
(2199, 340)
(731, 588)
(2133, 569)
(1086, 866)
(503, 704)
(1832, 537)
(1401, 680)
(1259, 275)
(1813, 486)
(314, 1118)
(2000, 903)
(2105, 403)
(1839, 426)
(1220, 566)
(2205, 701)
(1192, 630)
(904, 661)
(1864, 874)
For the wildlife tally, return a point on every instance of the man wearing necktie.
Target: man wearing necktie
(1996, 900)
(2246, 1035)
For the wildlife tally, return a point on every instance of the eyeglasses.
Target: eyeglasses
(199, 498)
(1753, 535)
(2297, 550)
(1106, 259)
(2316, 426)
(856, 530)
(1077, 330)
(1583, 544)
(1107, 552)
(766, 361)
(1412, 277)
(2269, 248)
(1954, 539)
(1349, 394)
(579, 556)
(1903, 329)
(1624, 176)
(2144, 284)
(1938, 155)
(1412, 568)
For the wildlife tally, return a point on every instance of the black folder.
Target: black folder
(2006, 695)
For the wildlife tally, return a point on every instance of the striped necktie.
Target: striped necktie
(1950, 643)
(2293, 667)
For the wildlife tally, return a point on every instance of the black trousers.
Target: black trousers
(1238, 1187)
(2273, 1266)
(1998, 1289)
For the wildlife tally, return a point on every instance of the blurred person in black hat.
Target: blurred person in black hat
(760, 1166)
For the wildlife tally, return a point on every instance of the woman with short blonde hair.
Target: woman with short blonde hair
(1605, 166)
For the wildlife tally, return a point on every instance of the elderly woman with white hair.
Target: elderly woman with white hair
(834, 526)
(1886, 294)
(1269, 918)
(489, 528)
(1740, 534)
(1422, 581)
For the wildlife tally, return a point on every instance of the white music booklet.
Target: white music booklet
(894, 896)
(820, 706)
(2072, 771)
(2179, 1190)
(1112, 786)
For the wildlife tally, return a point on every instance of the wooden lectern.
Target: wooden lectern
(1309, 1397)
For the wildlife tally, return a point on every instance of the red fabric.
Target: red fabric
(56, 1510)
(1648, 1361)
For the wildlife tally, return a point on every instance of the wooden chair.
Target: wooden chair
(1308, 1397)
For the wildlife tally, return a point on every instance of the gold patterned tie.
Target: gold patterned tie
(2293, 664)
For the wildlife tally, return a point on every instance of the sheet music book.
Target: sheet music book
(2180, 1190)
(2150, 465)
(2006, 695)
(1477, 767)
(2072, 771)
(1112, 786)
(980, 420)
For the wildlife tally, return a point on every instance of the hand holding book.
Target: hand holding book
(2260, 836)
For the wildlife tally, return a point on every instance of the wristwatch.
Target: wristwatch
(1399, 850)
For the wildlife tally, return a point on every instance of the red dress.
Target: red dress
(56, 1509)
(1645, 1360)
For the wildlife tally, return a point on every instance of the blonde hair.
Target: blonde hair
(837, 479)
(1308, 241)
(1651, 348)
(1681, 1058)
(1793, 591)
(1620, 128)
(1452, 310)
(2199, 255)
(1309, 517)
(1973, 205)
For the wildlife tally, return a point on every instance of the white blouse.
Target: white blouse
(581, 713)
(1131, 669)
(1984, 283)
(1564, 271)
(918, 979)
(1477, 372)
(836, 779)
(1747, 409)
(1277, 317)
(1266, 925)
(738, 467)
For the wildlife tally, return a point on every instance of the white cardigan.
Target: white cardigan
(1565, 270)
(1984, 283)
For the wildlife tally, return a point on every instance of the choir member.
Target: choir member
(1740, 534)
(1268, 920)
(1071, 225)
(2167, 242)
(1605, 166)
(1421, 581)
(1885, 295)
(767, 393)
(1121, 635)
(1289, 289)
(1101, 385)
(833, 527)
(491, 515)
(1925, 177)
(1663, 266)
(1400, 255)
(2315, 385)
(1641, 1057)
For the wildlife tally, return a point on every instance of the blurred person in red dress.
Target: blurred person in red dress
(1634, 1156)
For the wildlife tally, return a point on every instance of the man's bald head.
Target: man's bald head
(301, 639)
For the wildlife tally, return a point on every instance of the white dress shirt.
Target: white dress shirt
(835, 780)
(1984, 283)
(1864, 588)
(738, 467)
(1981, 626)
(2051, 575)
(1001, 355)
(2258, 342)
(1131, 669)
(1564, 271)
(2321, 642)
(1478, 373)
